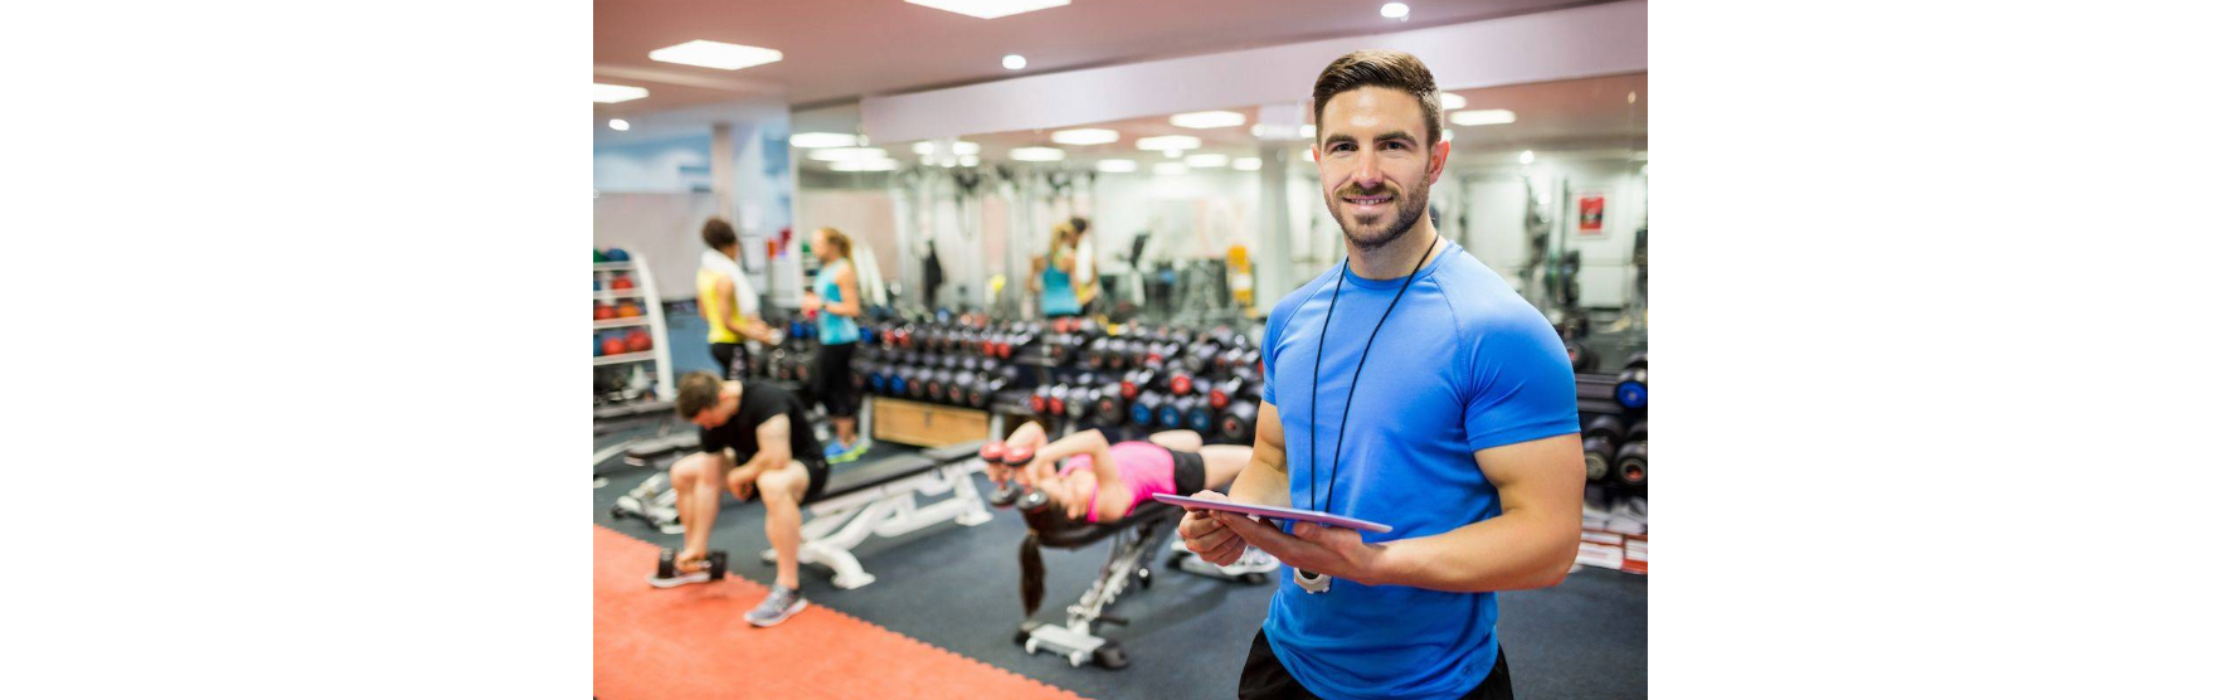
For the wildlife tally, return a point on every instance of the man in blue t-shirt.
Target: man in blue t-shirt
(1419, 391)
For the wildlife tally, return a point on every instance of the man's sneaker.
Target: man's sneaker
(780, 605)
(676, 580)
(1252, 561)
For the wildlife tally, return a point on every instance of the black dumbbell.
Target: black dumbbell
(1599, 440)
(1198, 358)
(1633, 464)
(1133, 383)
(1639, 431)
(997, 453)
(1110, 408)
(1583, 358)
(1238, 422)
(1179, 381)
(914, 382)
(718, 562)
(1633, 384)
(1078, 400)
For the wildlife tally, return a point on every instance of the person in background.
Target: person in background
(727, 301)
(1087, 288)
(836, 302)
(1053, 274)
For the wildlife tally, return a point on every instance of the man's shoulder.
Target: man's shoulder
(1290, 303)
(1481, 298)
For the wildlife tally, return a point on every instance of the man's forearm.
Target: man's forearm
(1261, 484)
(1513, 551)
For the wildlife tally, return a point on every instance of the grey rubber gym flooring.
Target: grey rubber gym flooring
(958, 588)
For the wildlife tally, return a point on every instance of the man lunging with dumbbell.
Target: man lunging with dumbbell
(752, 436)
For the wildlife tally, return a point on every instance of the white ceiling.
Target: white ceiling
(1558, 116)
(839, 50)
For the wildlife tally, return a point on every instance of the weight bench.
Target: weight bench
(1136, 542)
(880, 498)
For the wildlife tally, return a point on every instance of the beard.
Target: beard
(1409, 208)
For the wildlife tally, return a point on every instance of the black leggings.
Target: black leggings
(829, 380)
(731, 359)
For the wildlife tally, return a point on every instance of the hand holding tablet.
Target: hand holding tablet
(1273, 512)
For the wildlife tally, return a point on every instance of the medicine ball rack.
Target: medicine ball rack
(642, 293)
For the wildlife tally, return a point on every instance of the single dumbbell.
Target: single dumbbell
(960, 383)
(1633, 384)
(718, 562)
(1133, 383)
(1006, 491)
(1198, 358)
(937, 385)
(1583, 358)
(1633, 464)
(1078, 400)
(1145, 411)
(1170, 413)
(1110, 408)
(1220, 394)
(1197, 414)
(1639, 431)
(914, 382)
(1238, 422)
(1180, 382)
(1599, 441)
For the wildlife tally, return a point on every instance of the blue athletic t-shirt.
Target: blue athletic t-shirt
(1463, 364)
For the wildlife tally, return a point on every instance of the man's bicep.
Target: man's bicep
(1545, 473)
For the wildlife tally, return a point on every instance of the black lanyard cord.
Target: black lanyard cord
(1314, 391)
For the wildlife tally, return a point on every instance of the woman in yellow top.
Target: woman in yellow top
(728, 302)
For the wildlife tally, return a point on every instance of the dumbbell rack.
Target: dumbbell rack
(644, 293)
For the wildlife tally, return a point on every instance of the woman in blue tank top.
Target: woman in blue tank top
(1053, 277)
(833, 298)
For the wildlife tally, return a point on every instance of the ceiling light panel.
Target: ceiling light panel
(716, 54)
(990, 9)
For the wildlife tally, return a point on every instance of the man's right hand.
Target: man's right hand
(1207, 537)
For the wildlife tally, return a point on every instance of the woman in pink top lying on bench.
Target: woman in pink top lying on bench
(1089, 478)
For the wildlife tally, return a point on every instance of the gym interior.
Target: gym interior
(1077, 216)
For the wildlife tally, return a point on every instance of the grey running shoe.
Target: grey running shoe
(674, 581)
(781, 604)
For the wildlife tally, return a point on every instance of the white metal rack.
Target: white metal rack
(649, 300)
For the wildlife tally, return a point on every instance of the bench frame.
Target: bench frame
(890, 509)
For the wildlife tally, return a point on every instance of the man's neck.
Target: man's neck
(1393, 260)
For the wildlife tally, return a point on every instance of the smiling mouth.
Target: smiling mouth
(1368, 203)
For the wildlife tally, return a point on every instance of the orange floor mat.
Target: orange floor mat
(693, 642)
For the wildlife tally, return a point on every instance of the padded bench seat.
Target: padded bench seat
(1087, 534)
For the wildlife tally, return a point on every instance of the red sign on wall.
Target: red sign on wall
(1590, 215)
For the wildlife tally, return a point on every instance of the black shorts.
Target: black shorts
(829, 380)
(1265, 677)
(1189, 472)
(731, 359)
(819, 474)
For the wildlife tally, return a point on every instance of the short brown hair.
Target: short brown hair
(1377, 68)
(697, 392)
(717, 234)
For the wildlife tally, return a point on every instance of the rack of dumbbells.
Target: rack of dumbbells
(1139, 379)
(1614, 426)
(957, 360)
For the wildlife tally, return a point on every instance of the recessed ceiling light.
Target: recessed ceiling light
(1394, 10)
(618, 125)
(863, 166)
(1207, 160)
(1037, 154)
(1171, 168)
(1630, 97)
(716, 54)
(962, 148)
(610, 94)
(848, 154)
(1448, 100)
(990, 9)
(1014, 62)
(1084, 137)
(1173, 153)
(1116, 166)
(1168, 143)
(1481, 117)
(1206, 120)
(821, 139)
(968, 161)
(1525, 157)
(1245, 164)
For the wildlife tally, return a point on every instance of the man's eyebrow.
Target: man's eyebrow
(1334, 139)
(1397, 136)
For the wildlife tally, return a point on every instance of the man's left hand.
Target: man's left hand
(1332, 551)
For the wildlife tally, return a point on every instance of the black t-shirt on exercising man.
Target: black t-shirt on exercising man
(759, 402)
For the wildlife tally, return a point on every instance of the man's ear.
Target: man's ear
(1439, 153)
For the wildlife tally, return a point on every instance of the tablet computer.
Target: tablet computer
(1273, 512)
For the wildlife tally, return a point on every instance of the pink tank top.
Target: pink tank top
(1145, 468)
